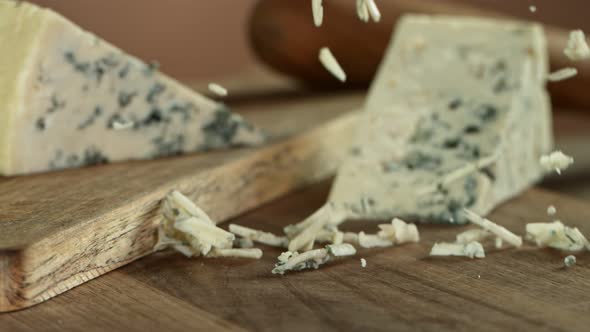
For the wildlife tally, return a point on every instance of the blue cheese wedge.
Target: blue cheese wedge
(66, 94)
(451, 121)
(457, 117)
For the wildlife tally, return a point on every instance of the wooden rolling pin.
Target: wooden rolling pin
(283, 35)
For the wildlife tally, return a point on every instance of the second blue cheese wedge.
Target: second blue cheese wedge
(70, 99)
(457, 117)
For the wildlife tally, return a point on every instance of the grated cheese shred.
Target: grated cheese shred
(496, 229)
(318, 12)
(472, 250)
(331, 64)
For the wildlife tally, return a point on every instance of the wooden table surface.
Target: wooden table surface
(400, 289)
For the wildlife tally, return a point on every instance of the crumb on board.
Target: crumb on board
(472, 250)
(569, 261)
(363, 262)
(189, 230)
(259, 236)
(556, 235)
(472, 235)
(312, 259)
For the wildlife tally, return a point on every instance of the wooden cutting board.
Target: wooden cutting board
(400, 289)
(59, 230)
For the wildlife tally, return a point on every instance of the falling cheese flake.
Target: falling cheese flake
(557, 161)
(533, 9)
(562, 74)
(551, 210)
(331, 64)
(498, 230)
(373, 10)
(471, 250)
(363, 263)
(362, 11)
(318, 12)
(294, 261)
(218, 89)
(569, 261)
(472, 235)
(577, 47)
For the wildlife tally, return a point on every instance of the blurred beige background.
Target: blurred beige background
(201, 39)
(190, 38)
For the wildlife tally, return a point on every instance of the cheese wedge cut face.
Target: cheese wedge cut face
(457, 117)
(70, 99)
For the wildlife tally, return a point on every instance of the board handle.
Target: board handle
(283, 36)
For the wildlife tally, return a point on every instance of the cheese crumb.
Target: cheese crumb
(294, 261)
(187, 229)
(562, 74)
(472, 235)
(259, 236)
(306, 231)
(218, 89)
(499, 243)
(399, 232)
(551, 210)
(253, 253)
(533, 9)
(556, 235)
(471, 250)
(318, 12)
(363, 262)
(577, 47)
(569, 261)
(557, 161)
(331, 64)
(373, 241)
(498, 230)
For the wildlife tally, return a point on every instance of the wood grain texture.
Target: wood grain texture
(400, 289)
(61, 229)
